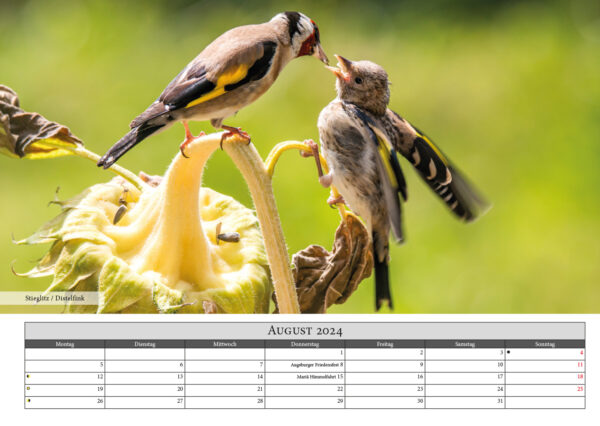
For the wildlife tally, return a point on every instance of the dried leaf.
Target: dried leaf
(30, 135)
(324, 278)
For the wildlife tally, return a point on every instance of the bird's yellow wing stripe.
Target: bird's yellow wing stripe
(435, 148)
(384, 147)
(384, 153)
(231, 76)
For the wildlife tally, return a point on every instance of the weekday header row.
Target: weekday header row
(304, 344)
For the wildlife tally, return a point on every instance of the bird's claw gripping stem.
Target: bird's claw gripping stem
(231, 131)
(189, 138)
(324, 180)
(332, 201)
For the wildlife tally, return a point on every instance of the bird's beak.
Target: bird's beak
(320, 54)
(342, 71)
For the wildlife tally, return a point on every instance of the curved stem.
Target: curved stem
(280, 148)
(121, 171)
(80, 151)
(179, 248)
(248, 161)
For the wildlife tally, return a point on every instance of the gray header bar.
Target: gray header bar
(383, 344)
(64, 344)
(545, 344)
(305, 330)
(224, 344)
(144, 344)
(465, 344)
(305, 344)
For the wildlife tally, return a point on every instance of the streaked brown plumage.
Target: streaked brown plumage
(360, 137)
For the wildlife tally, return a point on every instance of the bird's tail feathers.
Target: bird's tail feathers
(382, 280)
(131, 139)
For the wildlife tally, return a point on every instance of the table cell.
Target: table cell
(224, 378)
(465, 354)
(224, 353)
(64, 390)
(305, 390)
(465, 402)
(64, 402)
(309, 378)
(384, 402)
(384, 353)
(64, 378)
(145, 353)
(145, 390)
(64, 353)
(385, 390)
(385, 378)
(305, 402)
(66, 366)
(465, 378)
(545, 353)
(544, 366)
(225, 390)
(305, 366)
(305, 353)
(545, 378)
(225, 366)
(385, 366)
(144, 378)
(224, 402)
(465, 390)
(145, 365)
(469, 366)
(545, 390)
(145, 402)
(544, 402)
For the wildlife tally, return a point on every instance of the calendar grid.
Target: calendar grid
(424, 375)
(265, 374)
(104, 376)
(184, 376)
(345, 366)
(504, 376)
(334, 372)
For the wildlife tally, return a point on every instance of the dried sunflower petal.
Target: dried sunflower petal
(325, 278)
(30, 135)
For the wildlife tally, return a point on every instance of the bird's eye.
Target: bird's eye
(358, 80)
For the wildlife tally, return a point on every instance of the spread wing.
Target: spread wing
(463, 199)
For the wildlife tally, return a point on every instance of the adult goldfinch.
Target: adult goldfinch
(230, 73)
(360, 137)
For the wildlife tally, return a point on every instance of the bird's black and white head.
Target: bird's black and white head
(304, 37)
(363, 83)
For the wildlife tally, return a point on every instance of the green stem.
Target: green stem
(248, 161)
(115, 168)
(80, 151)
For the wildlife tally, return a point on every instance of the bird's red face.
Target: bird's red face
(312, 45)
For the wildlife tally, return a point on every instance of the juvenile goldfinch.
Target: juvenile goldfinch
(360, 137)
(230, 73)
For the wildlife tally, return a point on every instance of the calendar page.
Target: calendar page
(468, 369)
(302, 212)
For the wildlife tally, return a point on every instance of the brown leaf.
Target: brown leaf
(324, 278)
(28, 134)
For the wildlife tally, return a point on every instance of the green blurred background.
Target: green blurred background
(510, 90)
